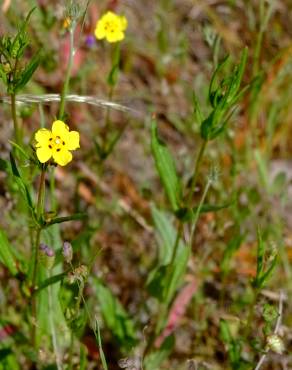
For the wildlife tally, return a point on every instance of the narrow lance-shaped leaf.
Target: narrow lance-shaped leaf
(101, 352)
(59, 220)
(238, 75)
(263, 272)
(115, 316)
(186, 214)
(22, 185)
(212, 89)
(28, 72)
(166, 168)
(167, 281)
(6, 255)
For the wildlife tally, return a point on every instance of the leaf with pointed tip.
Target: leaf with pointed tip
(166, 168)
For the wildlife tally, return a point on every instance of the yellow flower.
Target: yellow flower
(111, 26)
(56, 143)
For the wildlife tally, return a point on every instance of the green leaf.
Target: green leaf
(233, 346)
(59, 220)
(263, 272)
(28, 72)
(212, 88)
(167, 276)
(14, 166)
(186, 214)
(83, 364)
(21, 151)
(6, 254)
(166, 168)
(20, 182)
(225, 332)
(156, 358)
(51, 280)
(3, 75)
(8, 360)
(262, 167)
(197, 110)
(268, 273)
(101, 353)
(115, 316)
(260, 256)
(156, 282)
(238, 75)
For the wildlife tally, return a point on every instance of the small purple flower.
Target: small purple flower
(90, 41)
(47, 255)
(43, 247)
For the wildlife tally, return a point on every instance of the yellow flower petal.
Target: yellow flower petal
(124, 22)
(100, 31)
(62, 157)
(73, 140)
(60, 129)
(44, 154)
(42, 136)
(115, 36)
(109, 16)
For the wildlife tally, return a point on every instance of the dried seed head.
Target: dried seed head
(80, 273)
(275, 344)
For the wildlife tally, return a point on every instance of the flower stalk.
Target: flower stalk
(68, 71)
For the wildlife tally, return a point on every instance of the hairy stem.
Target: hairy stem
(14, 118)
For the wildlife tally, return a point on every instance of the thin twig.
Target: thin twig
(279, 320)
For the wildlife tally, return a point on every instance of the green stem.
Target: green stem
(14, 118)
(68, 72)
(196, 171)
(39, 211)
(193, 229)
(53, 329)
(257, 53)
(70, 364)
(107, 116)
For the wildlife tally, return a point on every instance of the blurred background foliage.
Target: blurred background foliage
(170, 51)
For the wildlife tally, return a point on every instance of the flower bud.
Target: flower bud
(47, 256)
(67, 252)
